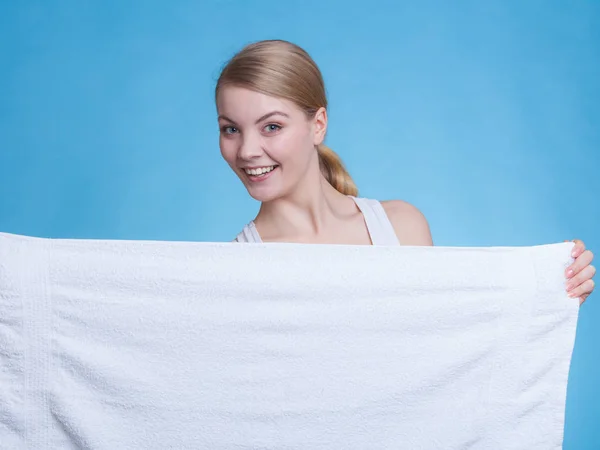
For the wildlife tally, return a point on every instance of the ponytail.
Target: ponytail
(334, 171)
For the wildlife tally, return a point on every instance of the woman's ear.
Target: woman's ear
(320, 125)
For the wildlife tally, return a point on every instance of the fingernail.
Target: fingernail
(572, 294)
(570, 273)
(569, 286)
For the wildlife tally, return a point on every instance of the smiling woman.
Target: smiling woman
(297, 79)
(272, 113)
(273, 121)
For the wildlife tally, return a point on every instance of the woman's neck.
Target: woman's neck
(308, 212)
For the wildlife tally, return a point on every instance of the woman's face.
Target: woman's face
(267, 141)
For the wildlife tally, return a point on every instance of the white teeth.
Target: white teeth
(259, 171)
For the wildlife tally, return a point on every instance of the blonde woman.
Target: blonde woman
(272, 113)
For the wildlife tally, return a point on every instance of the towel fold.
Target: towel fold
(177, 345)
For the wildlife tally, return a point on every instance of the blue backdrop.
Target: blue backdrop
(483, 114)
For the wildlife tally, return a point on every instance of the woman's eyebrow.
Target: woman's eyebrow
(264, 117)
(273, 113)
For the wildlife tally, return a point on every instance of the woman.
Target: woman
(273, 119)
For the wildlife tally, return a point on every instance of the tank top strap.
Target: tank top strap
(379, 226)
(249, 235)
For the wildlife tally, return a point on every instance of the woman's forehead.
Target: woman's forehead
(242, 104)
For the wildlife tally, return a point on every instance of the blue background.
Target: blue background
(485, 115)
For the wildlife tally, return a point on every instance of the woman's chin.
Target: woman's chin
(263, 195)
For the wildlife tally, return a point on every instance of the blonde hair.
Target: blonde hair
(281, 69)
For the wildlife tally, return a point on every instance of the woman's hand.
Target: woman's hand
(580, 273)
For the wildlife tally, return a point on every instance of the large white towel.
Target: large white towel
(171, 345)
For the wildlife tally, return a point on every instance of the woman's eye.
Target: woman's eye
(229, 130)
(272, 127)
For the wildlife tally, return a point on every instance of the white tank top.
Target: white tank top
(378, 224)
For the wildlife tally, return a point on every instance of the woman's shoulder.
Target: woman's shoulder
(410, 224)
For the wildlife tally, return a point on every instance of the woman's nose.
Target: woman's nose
(250, 148)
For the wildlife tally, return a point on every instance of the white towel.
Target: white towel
(172, 345)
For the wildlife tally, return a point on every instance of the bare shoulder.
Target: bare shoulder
(408, 221)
